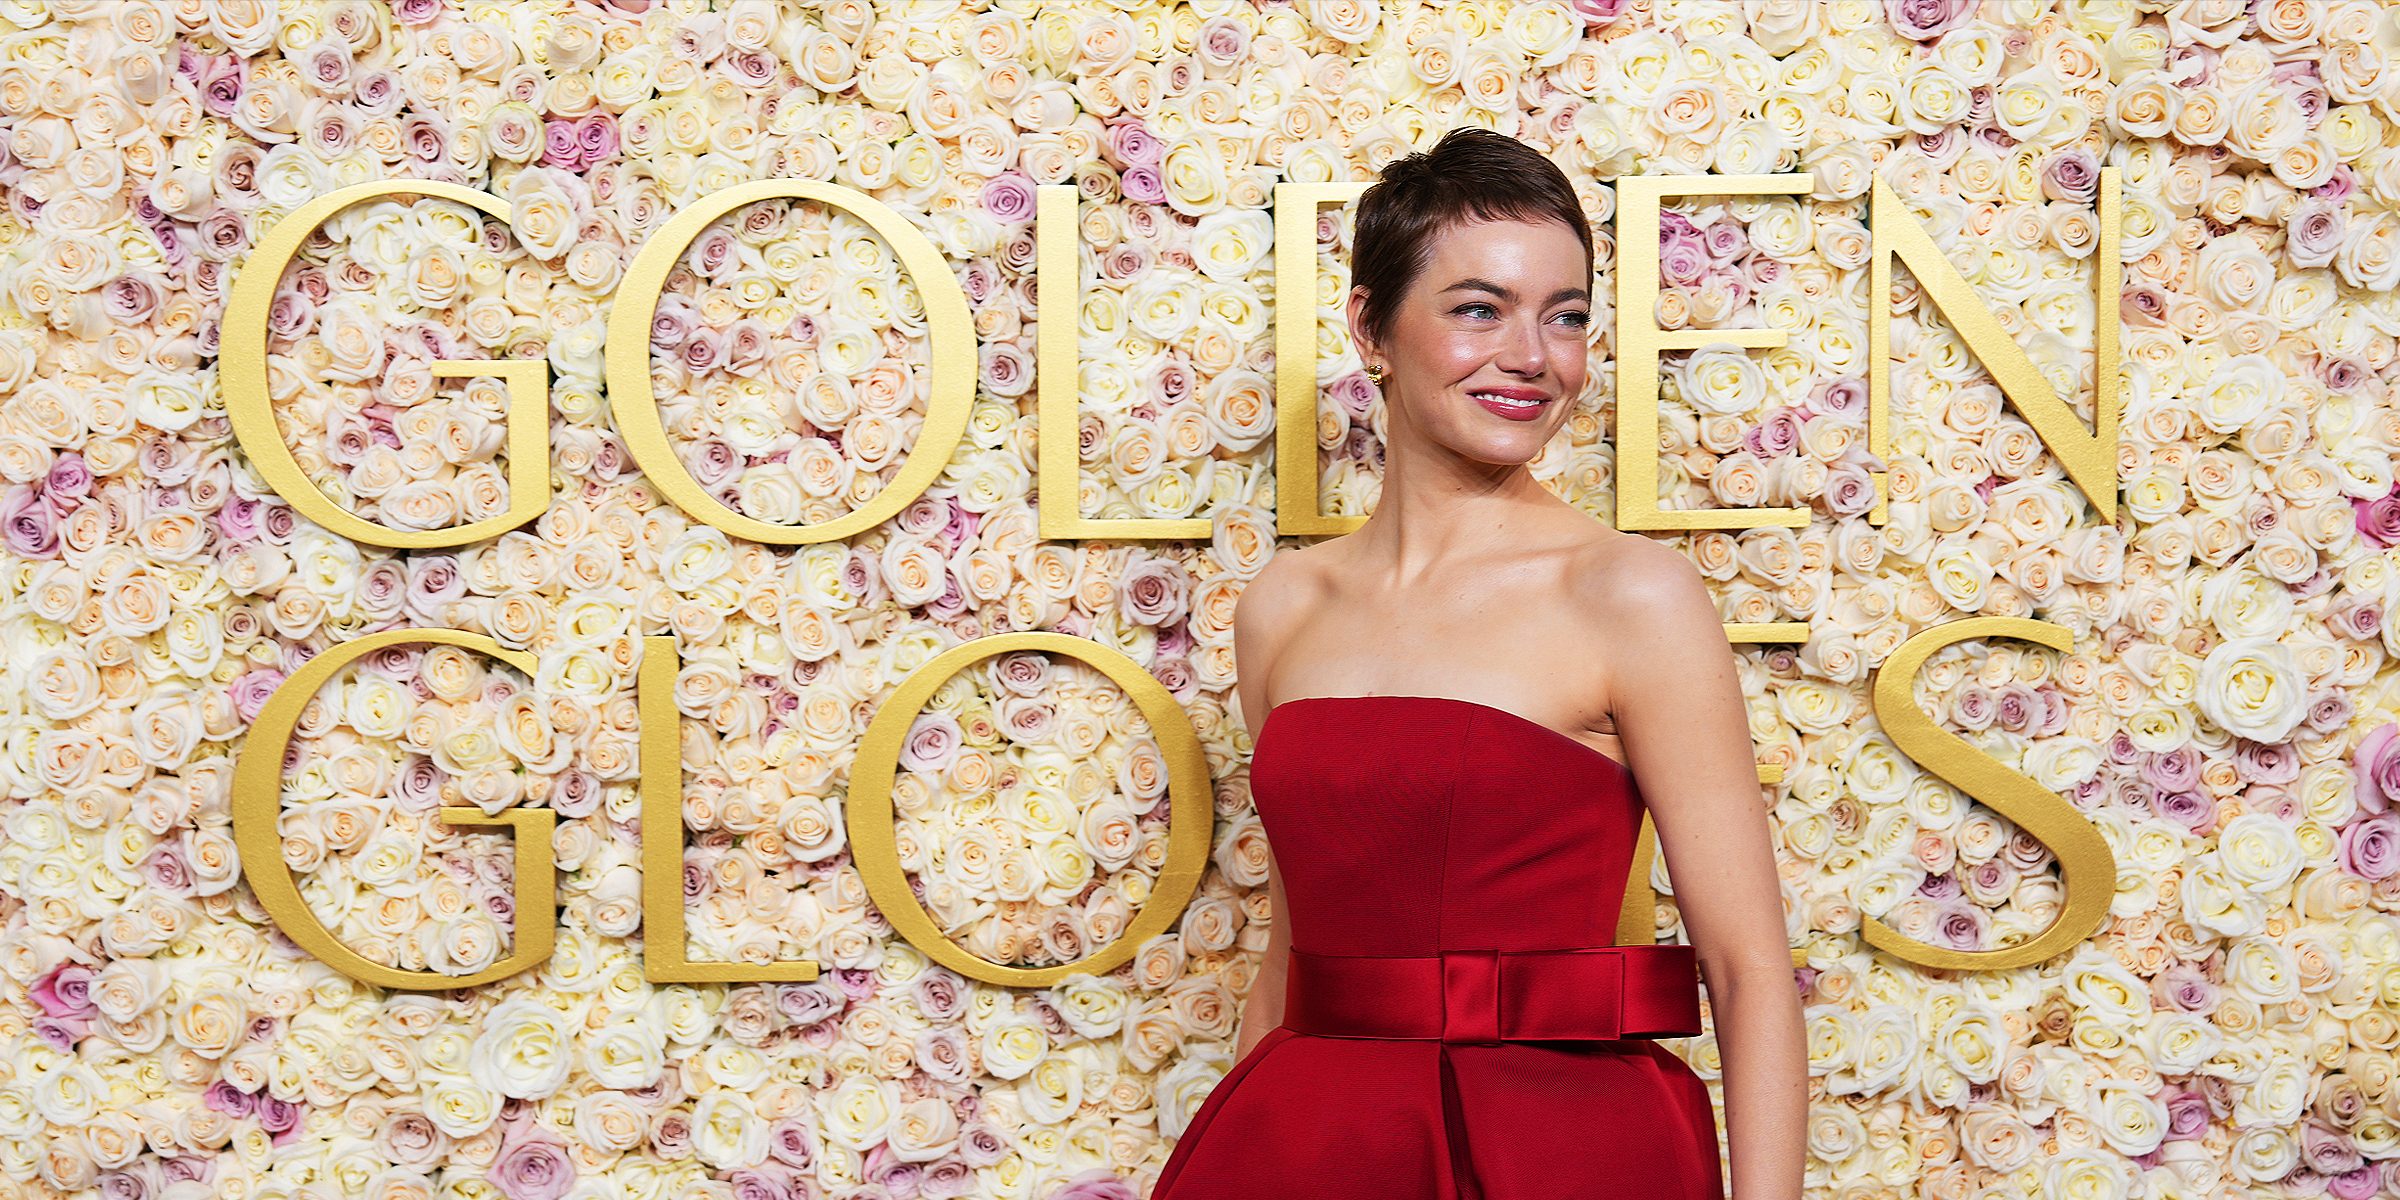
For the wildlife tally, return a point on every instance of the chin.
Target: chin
(1501, 451)
(1512, 443)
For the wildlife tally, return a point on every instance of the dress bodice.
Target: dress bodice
(1409, 825)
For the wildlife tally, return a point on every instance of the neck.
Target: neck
(1437, 505)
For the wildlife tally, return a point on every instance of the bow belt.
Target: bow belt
(1597, 994)
(1600, 994)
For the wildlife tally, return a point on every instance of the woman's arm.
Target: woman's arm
(1261, 622)
(1263, 1010)
(1681, 718)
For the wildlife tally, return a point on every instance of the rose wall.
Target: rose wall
(2225, 717)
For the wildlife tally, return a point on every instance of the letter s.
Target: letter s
(2087, 868)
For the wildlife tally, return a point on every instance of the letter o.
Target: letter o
(258, 802)
(874, 848)
(951, 392)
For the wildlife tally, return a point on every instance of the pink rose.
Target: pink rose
(2376, 765)
(596, 137)
(1156, 592)
(1142, 185)
(1099, 1183)
(2356, 1184)
(1133, 145)
(1925, 20)
(536, 1167)
(2370, 848)
(560, 147)
(1008, 196)
(28, 524)
(932, 744)
(1596, 13)
(64, 992)
(2378, 520)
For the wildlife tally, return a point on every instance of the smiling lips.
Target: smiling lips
(1516, 404)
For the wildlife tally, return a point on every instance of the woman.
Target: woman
(1460, 712)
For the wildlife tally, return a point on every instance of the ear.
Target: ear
(1358, 337)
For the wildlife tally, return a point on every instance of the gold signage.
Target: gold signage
(242, 373)
(1640, 342)
(1190, 817)
(950, 333)
(2087, 868)
(257, 806)
(2089, 459)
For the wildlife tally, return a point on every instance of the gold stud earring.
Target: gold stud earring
(1375, 375)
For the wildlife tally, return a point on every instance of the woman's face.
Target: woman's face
(1485, 355)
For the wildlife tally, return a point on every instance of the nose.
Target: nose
(1523, 352)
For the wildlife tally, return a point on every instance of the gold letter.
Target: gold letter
(875, 851)
(950, 333)
(258, 803)
(1297, 513)
(1640, 341)
(2087, 869)
(1058, 378)
(2090, 459)
(665, 949)
(242, 363)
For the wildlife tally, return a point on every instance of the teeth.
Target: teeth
(1513, 403)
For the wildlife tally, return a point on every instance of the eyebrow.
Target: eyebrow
(1472, 284)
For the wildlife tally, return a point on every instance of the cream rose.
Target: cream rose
(2253, 687)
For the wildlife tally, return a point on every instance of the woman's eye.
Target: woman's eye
(1576, 320)
(1480, 312)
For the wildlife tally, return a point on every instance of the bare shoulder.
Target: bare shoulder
(1272, 607)
(1639, 590)
(1292, 582)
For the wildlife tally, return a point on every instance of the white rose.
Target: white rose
(68, 1093)
(2098, 985)
(626, 1054)
(2260, 852)
(1887, 1049)
(1974, 1044)
(2214, 902)
(1011, 1045)
(1092, 1007)
(2245, 387)
(1229, 244)
(1349, 21)
(728, 1132)
(456, 1106)
(2060, 763)
(2243, 603)
(2265, 1155)
(1723, 379)
(2253, 687)
(525, 1050)
(2130, 1122)
(926, 1129)
(859, 1113)
(2178, 1043)
(2261, 971)
(2278, 1096)
(2085, 1175)
(1184, 1086)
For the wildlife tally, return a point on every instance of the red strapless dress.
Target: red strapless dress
(1456, 1025)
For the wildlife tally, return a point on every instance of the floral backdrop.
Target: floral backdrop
(2226, 718)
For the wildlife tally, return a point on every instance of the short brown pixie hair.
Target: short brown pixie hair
(1472, 174)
